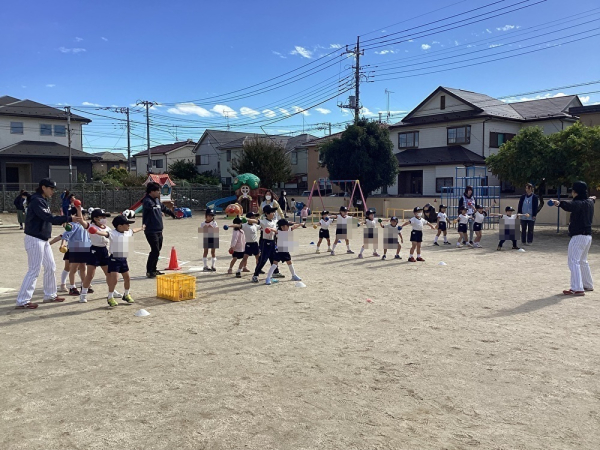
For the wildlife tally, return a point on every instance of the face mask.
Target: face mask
(284, 193)
(268, 197)
(419, 215)
(102, 221)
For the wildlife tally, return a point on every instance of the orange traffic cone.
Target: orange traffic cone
(173, 263)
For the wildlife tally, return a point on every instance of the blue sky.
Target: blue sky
(189, 55)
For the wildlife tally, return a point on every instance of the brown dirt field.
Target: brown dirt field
(479, 354)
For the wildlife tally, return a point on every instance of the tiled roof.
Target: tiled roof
(166, 148)
(584, 109)
(287, 142)
(489, 105)
(43, 149)
(11, 106)
(543, 108)
(438, 156)
(110, 156)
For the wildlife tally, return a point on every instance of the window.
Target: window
(443, 102)
(294, 157)
(443, 182)
(60, 130)
(459, 135)
(226, 181)
(228, 155)
(497, 139)
(45, 129)
(384, 190)
(158, 163)
(202, 160)
(408, 140)
(16, 128)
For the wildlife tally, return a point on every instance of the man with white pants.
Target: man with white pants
(580, 230)
(38, 230)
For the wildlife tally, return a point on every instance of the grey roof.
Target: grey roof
(489, 105)
(438, 156)
(584, 109)
(166, 148)
(43, 149)
(287, 142)
(546, 107)
(223, 137)
(11, 106)
(110, 156)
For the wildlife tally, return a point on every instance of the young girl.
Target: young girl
(237, 247)
(324, 231)
(463, 226)
(250, 229)
(341, 229)
(442, 226)
(304, 215)
(78, 254)
(209, 222)
(370, 223)
(479, 217)
(508, 231)
(399, 239)
(267, 245)
(416, 235)
(283, 256)
(63, 248)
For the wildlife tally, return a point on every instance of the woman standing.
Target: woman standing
(20, 205)
(468, 202)
(284, 203)
(270, 200)
(38, 229)
(66, 198)
(528, 204)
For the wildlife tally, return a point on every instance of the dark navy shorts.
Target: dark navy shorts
(416, 236)
(323, 234)
(252, 249)
(98, 256)
(118, 265)
(442, 226)
(282, 256)
(462, 227)
(237, 255)
(477, 226)
(76, 257)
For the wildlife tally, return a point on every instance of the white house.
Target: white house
(164, 155)
(453, 127)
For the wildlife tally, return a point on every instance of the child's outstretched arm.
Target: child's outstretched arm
(405, 223)
(137, 230)
(522, 215)
(56, 239)
(99, 232)
(293, 227)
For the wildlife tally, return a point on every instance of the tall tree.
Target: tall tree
(264, 158)
(183, 170)
(364, 152)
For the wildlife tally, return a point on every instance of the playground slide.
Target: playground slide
(137, 206)
(215, 203)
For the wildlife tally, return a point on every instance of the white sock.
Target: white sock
(63, 277)
(418, 255)
(445, 238)
(111, 294)
(347, 246)
(318, 245)
(362, 249)
(84, 291)
(239, 269)
(292, 271)
(214, 261)
(333, 248)
(271, 270)
(72, 286)
(435, 239)
(126, 292)
(205, 261)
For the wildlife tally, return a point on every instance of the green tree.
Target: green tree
(264, 158)
(183, 170)
(364, 152)
(120, 177)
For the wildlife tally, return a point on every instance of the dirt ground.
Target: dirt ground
(480, 353)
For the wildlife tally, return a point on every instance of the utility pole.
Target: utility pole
(354, 101)
(388, 104)
(126, 112)
(329, 128)
(148, 105)
(68, 111)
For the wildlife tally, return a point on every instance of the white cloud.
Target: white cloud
(455, 42)
(269, 113)
(323, 110)
(90, 104)
(78, 39)
(410, 40)
(245, 111)
(435, 42)
(505, 28)
(585, 99)
(385, 52)
(537, 97)
(301, 51)
(104, 39)
(71, 50)
(224, 110)
(279, 54)
(345, 111)
(366, 112)
(425, 46)
(302, 111)
(50, 85)
(284, 111)
(183, 109)
(335, 46)
(488, 30)
(495, 45)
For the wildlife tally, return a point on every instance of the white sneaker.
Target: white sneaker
(469, 245)
(83, 298)
(332, 253)
(63, 288)
(329, 249)
(117, 294)
(318, 251)
(458, 245)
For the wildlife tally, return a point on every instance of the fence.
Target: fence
(115, 200)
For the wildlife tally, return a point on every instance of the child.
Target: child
(479, 217)
(237, 247)
(463, 225)
(250, 229)
(324, 231)
(78, 254)
(442, 226)
(67, 268)
(304, 215)
(371, 223)
(267, 246)
(394, 225)
(117, 263)
(509, 226)
(209, 222)
(416, 235)
(283, 256)
(341, 229)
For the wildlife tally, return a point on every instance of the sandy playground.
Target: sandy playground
(479, 354)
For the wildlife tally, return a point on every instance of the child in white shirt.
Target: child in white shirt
(343, 220)
(251, 229)
(393, 224)
(416, 235)
(237, 247)
(209, 221)
(324, 231)
(442, 226)
(478, 217)
(370, 222)
(463, 225)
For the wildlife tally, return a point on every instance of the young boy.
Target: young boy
(341, 230)
(478, 218)
(250, 229)
(267, 249)
(209, 222)
(324, 231)
(371, 231)
(442, 226)
(237, 247)
(283, 256)
(390, 235)
(304, 215)
(463, 225)
(416, 235)
(120, 239)
(78, 253)
(508, 230)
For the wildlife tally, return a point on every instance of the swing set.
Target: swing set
(352, 211)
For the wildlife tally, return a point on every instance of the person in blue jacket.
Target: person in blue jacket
(38, 230)
(67, 199)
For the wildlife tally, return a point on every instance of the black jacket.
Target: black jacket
(535, 203)
(152, 214)
(19, 203)
(582, 215)
(39, 219)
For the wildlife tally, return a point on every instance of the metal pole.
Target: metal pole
(148, 136)
(128, 142)
(357, 82)
(558, 211)
(68, 111)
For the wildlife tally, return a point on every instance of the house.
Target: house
(34, 144)
(108, 160)
(457, 128)
(164, 155)
(314, 170)
(588, 115)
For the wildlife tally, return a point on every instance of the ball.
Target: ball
(68, 227)
(63, 249)
(550, 203)
(379, 220)
(226, 227)
(231, 251)
(268, 231)
(77, 202)
(93, 230)
(244, 220)
(315, 227)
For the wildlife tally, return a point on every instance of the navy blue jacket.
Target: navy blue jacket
(152, 214)
(582, 215)
(39, 219)
(19, 203)
(534, 205)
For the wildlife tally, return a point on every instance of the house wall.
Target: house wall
(590, 119)
(105, 166)
(31, 132)
(432, 107)
(208, 148)
(549, 126)
(40, 167)
(302, 165)
(183, 153)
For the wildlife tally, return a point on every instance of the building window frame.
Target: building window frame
(497, 139)
(45, 129)
(158, 163)
(228, 155)
(408, 139)
(60, 130)
(441, 182)
(294, 158)
(16, 128)
(458, 135)
(442, 102)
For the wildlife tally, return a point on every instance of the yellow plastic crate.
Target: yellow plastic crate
(176, 287)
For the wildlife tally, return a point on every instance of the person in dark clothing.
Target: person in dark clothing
(580, 230)
(152, 218)
(528, 204)
(38, 230)
(20, 205)
(468, 201)
(66, 198)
